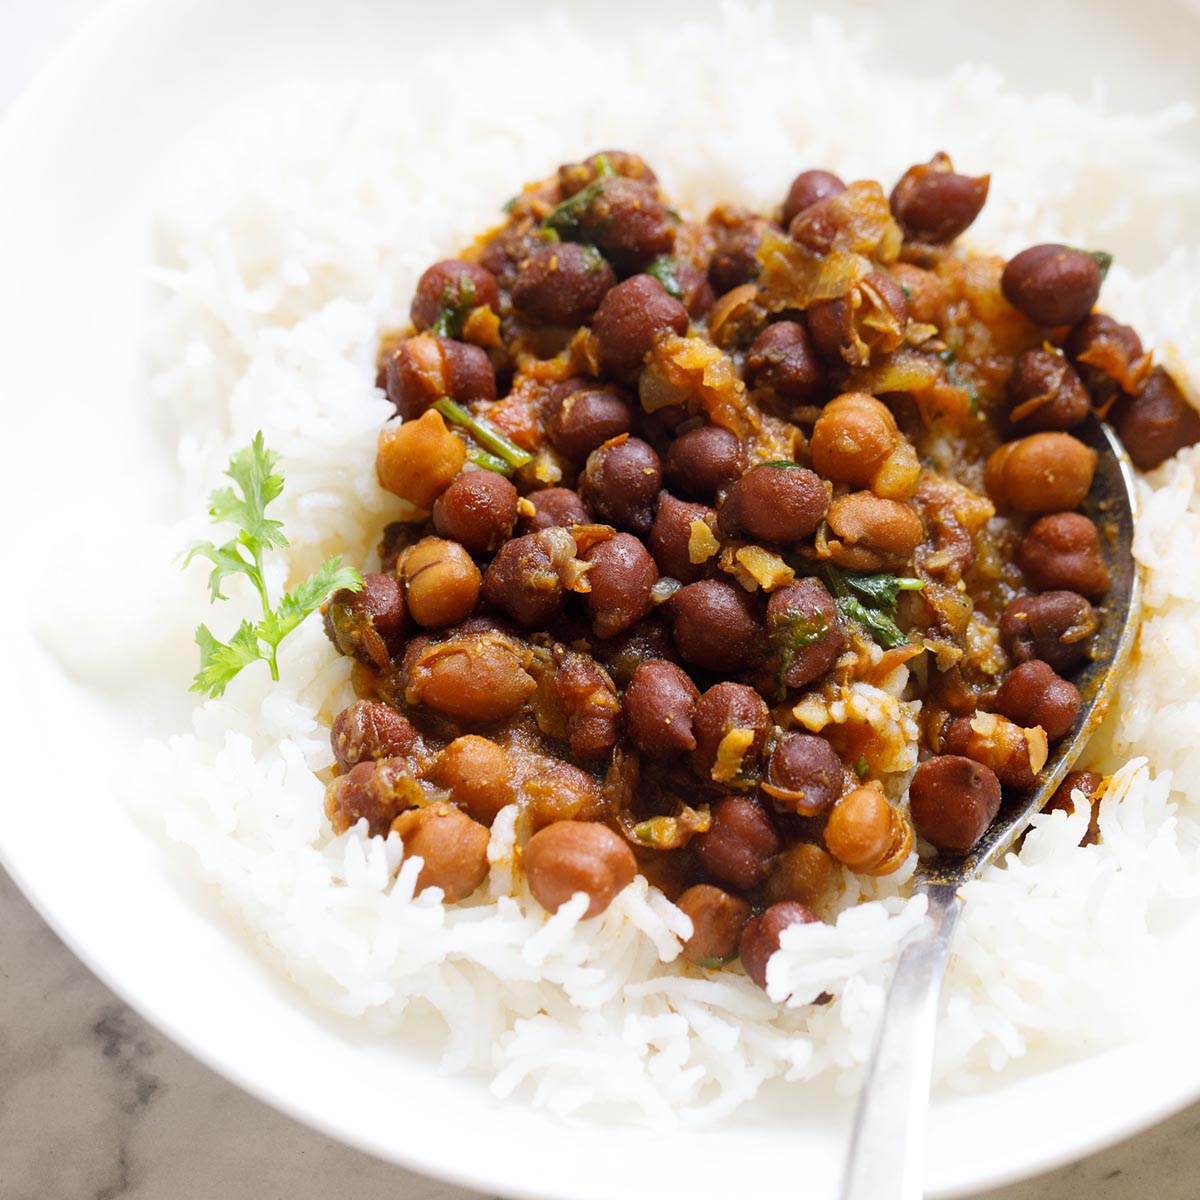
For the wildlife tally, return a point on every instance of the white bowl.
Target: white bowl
(83, 457)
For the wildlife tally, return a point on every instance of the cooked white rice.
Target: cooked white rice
(292, 242)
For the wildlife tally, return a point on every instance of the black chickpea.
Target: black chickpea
(873, 318)
(702, 461)
(1108, 356)
(622, 575)
(621, 482)
(717, 625)
(760, 938)
(478, 510)
(1157, 423)
(1061, 552)
(934, 204)
(573, 177)
(806, 189)
(366, 731)
(370, 624)
(588, 417)
(804, 774)
(629, 320)
(777, 502)
(1056, 627)
(733, 262)
(524, 580)
(562, 283)
(1046, 393)
(1033, 693)
(738, 847)
(374, 791)
(453, 284)
(452, 847)
(553, 508)
(426, 367)
(1052, 284)
(623, 218)
(782, 357)
(1010, 750)
(731, 724)
(660, 705)
(802, 620)
(677, 539)
(953, 800)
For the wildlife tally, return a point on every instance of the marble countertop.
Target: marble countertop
(96, 1105)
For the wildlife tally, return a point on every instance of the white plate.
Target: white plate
(78, 161)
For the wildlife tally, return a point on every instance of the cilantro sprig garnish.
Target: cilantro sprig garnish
(870, 599)
(257, 484)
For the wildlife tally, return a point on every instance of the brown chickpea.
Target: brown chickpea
(760, 938)
(739, 846)
(925, 291)
(717, 920)
(872, 532)
(631, 318)
(478, 509)
(476, 676)
(453, 284)
(1033, 693)
(370, 624)
(1014, 753)
(578, 703)
(774, 503)
(426, 367)
(561, 791)
(441, 583)
(366, 731)
(953, 800)
(671, 538)
(933, 204)
(478, 774)
(855, 440)
(562, 283)
(1056, 627)
(452, 847)
(702, 461)
(1061, 552)
(1063, 800)
(804, 774)
(806, 189)
(575, 856)
(1042, 473)
(1052, 284)
(804, 873)
(729, 709)
(717, 625)
(859, 830)
(622, 575)
(660, 704)
(417, 460)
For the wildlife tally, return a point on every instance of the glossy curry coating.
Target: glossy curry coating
(704, 508)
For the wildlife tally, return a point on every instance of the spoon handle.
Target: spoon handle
(887, 1145)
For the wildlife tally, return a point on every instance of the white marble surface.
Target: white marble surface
(96, 1105)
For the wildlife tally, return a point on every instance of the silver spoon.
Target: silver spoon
(887, 1144)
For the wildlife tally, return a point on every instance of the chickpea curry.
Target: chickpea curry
(746, 547)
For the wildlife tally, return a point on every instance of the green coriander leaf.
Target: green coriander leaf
(294, 606)
(790, 632)
(489, 462)
(566, 219)
(879, 625)
(458, 298)
(253, 470)
(779, 462)
(862, 768)
(221, 661)
(1102, 259)
(226, 561)
(665, 268)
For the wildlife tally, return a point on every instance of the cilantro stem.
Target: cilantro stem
(484, 432)
(489, 462)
